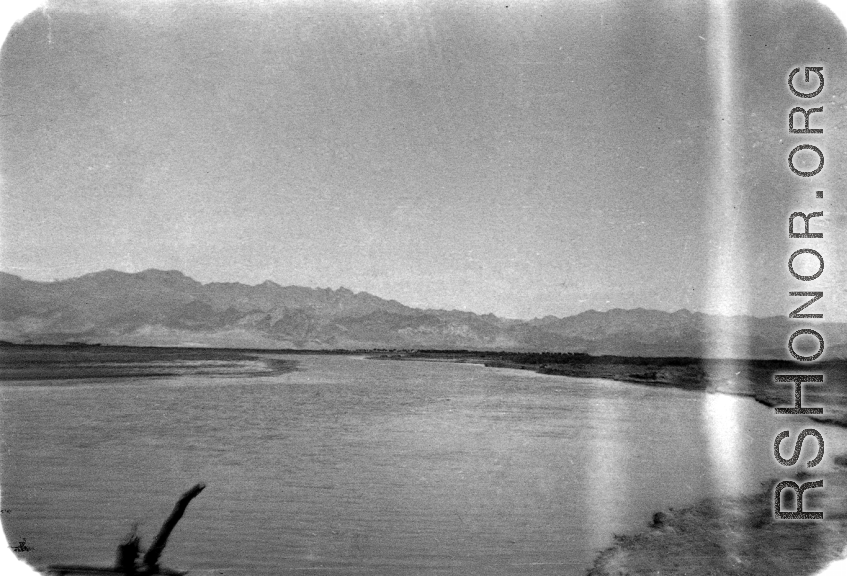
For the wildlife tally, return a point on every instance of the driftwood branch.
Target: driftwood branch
(151, 557)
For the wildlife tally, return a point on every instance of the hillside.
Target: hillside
(167, 308)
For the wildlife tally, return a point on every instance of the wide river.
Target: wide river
(357, 466)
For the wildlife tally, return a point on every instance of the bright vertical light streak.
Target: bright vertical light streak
(723, 429)
(727, 289)
(607, 494)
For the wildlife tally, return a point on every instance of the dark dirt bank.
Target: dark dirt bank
(737, 536)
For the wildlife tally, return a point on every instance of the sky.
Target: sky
(519, 158)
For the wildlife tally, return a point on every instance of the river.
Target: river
(355, 466)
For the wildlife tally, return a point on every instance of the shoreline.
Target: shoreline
(747, 378)
(737, 535)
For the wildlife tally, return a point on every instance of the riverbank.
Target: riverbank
(752, 378)
(736, 536)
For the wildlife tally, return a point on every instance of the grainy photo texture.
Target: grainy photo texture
(413, 288)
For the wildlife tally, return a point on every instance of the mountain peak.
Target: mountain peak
(166, 307)
(155, 273)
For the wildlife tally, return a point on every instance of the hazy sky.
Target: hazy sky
(521, 158)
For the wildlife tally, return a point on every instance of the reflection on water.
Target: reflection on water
(363, 467)
(725, 433)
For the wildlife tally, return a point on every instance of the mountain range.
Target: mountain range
(167, 308)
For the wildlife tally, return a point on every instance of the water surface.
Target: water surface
(358, 466)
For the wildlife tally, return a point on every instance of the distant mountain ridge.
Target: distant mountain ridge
(167, 308)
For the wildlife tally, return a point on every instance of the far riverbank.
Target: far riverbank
(752, 378)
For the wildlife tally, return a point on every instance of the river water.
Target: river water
(356, 466)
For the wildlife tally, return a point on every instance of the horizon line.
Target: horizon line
(356, 293)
